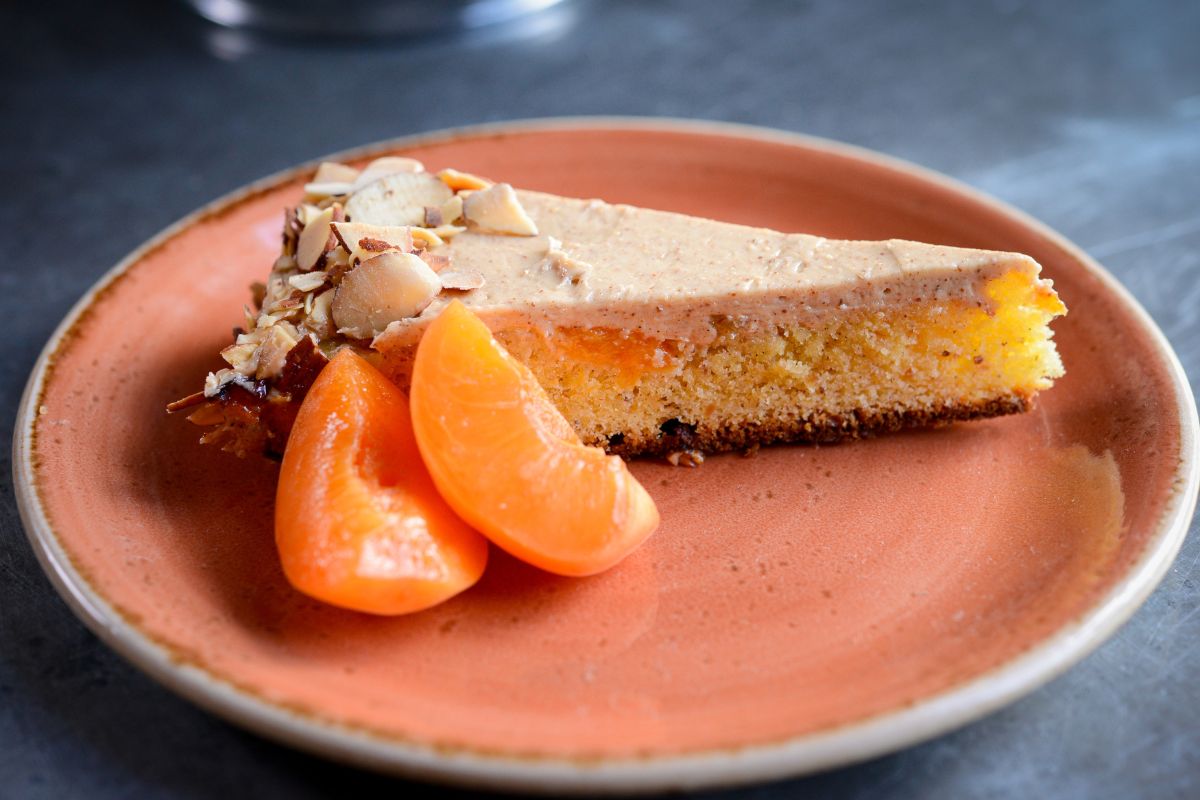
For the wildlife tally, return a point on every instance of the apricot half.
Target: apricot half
(358, 521)
(510, 464)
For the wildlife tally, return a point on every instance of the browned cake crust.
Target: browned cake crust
(247, 424)
(675, 436)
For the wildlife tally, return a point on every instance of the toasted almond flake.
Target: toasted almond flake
(273, 351)
(382, 290)
(497, 210)
(333, 172)
(212, 382)
(452, 210)
(241, 356)
(307, 281)
(388, 165)
(328, 189)
(463, 180)
(366, 241)
(461, 279)
(447, 231)
(292, 330)
(183, 403)
(305, 212)
(207, 414)
(397, 199)
(426, 239)
(320, 316)
(686, 458)
(315, 240)
(436, 261)
(277, 290)
(337, 257)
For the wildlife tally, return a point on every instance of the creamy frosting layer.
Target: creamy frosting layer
(671, 276)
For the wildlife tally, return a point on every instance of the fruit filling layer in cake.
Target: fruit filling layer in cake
(652, 332)
(849, 375)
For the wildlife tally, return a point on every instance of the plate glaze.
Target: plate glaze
(798, 609)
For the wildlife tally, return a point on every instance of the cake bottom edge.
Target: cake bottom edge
(721, 436)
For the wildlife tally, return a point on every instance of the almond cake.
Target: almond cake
(654, 333)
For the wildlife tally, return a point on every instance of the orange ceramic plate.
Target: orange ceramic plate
(799, 609)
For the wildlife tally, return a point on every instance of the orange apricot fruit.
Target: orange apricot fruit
(510, 464)
(358, 521)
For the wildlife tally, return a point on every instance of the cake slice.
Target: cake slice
(652, 332)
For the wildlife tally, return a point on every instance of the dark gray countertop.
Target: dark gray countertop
(121, 117)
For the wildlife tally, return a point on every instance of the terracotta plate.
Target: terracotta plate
(798, 609)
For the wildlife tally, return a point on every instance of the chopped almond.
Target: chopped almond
(426, 239)
(451, 210)
(461, 279)
(333, 172)
(388, 165)
(315, 241)
(436, 261)
(307, 281)
(364, 241)
(497, 210)
(273, 352)
(463, 180)
(328, 189)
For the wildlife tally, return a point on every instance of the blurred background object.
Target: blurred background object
(365, 18)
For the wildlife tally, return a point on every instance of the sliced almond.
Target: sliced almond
(272, 353)
(497, 210)
(388, 165)
(305, 212)
(447, 231)
(382, 290)
(398, 199)
(240, 356)
(426, 239)
(315, 240)
(333, 172)
(337, 257)
(462, 279)
(463, 180)
(436, 261)
(307, 281)
(328, 189)
(451, 210)
(216, 381)
(320, 317)
(364, 241)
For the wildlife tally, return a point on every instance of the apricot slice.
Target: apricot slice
(510, 464)
(358, 521)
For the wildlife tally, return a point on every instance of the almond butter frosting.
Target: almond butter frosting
(666, 275)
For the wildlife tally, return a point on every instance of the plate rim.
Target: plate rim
(850, 743)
